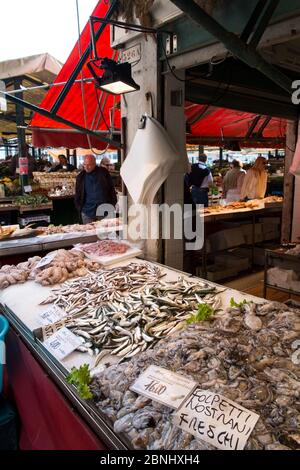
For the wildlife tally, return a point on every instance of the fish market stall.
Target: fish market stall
(243, 225)
(138, 314)
(282, 270)
(45, 239)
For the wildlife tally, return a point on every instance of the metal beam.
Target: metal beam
(81, 61)
(252, 127)
(252, 20)
(263, 23)
(263, 126)
(50, 115)
(243, 100)
(234, 44)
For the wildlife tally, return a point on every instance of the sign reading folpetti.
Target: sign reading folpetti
(216, 419)
(163, 386)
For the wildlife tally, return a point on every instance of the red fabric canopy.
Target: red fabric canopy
(205, 123)
(47, 132)
(223, 124)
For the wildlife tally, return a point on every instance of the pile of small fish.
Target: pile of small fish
(246, 353)
(124, 310)
(86, 294)
(131, 325)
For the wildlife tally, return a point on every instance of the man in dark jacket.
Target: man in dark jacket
(200, 179)
(63, 165)
(94, 187)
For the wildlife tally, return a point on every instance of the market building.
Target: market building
(133, 311)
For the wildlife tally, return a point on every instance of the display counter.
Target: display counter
(232, 228)
(112, 428)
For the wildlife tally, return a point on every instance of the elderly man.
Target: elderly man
(94, 187)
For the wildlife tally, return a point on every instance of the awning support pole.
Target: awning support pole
(50, 115)
(234, 44)
(81, 62)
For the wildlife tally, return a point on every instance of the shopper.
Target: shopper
(255, 182)
(105, 163)
(63, 165)
(233, 181)
(200, 179)
(94, 187)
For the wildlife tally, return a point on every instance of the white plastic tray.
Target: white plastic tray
(132, 252)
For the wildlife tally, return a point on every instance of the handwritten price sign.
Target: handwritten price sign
(163, 386)
(216, 420)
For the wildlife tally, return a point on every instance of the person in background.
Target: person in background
(199, 180)
(63, 165)
(105, 163)
(94, 187)
(233, 181)
(255, 181)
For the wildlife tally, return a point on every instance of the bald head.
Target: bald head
(89, 163)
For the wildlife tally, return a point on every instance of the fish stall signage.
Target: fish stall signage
(62, 343)
(215, 419)
(163, 386)
(51, 315)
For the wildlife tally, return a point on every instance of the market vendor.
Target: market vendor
(233, 181)
(63, 165)
(199, 180)
(94, 187)
(255, 182)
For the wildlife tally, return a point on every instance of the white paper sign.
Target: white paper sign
(27, 188)
(51, 315)
(216, 419)
(163, 386)
(46, 260)
(62, 343)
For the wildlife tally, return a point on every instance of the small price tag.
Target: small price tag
(163, 386)
(46, 260)
(28, 189)
(215, 419)
(51, 315)
(62, 343)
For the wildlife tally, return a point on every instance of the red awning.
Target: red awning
(209, 123)
(205, 124)
(82, 108)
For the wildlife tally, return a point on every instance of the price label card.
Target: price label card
(28, 189)
(46, 260)
(51, 315)
(215, 419)
(163, 386)
(62, 343)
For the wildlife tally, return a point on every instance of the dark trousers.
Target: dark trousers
(200, 195)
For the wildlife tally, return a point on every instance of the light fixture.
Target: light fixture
(116, 78)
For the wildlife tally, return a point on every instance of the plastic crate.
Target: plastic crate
(3, 331)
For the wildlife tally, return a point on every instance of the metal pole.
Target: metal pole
(234, 44)
(50, 115)
(81, 61)
(20, 122)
